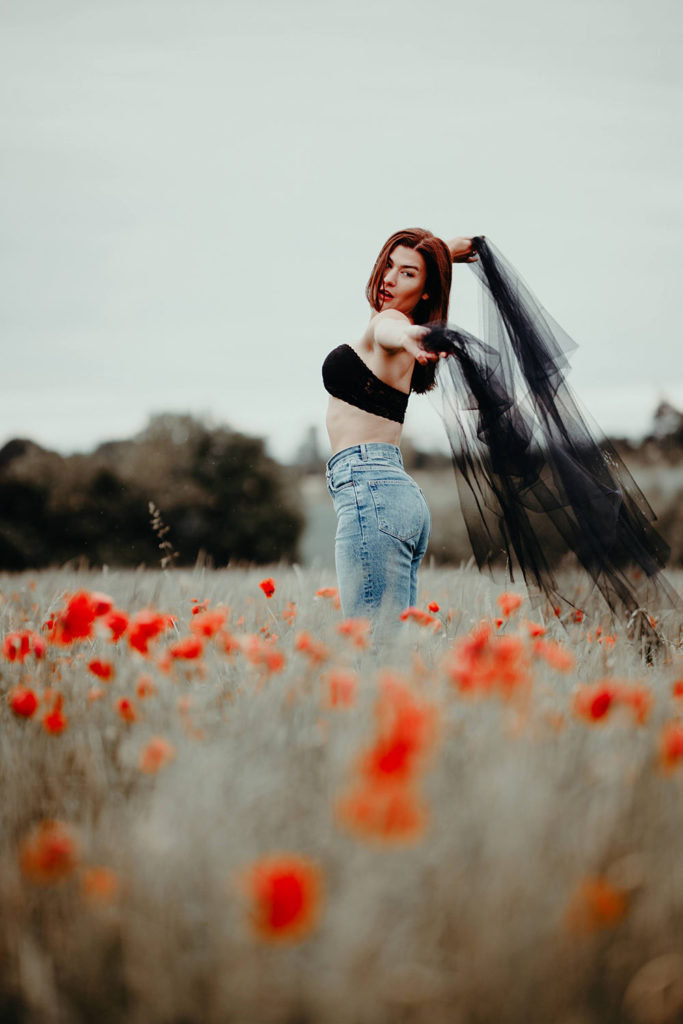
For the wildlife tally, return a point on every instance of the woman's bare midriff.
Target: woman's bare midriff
(347, 426)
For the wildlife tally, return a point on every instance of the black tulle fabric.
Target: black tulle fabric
(527, 461)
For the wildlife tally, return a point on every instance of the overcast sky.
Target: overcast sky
(194, 191)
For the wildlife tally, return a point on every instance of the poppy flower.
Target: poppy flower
(146, 626)
(102, 669)
(405, 731)
(145, 687)
(189, 649)
(554, 654)
(289, 612)
(228, 643)
(208, 623)
(116, 622)
(126, 709)
(508, 603)
(358, 631)
(315, 650)
(99, 885)
(330, 592)
(483, 664)
(23, 701)
(677, 688)
(156, 754)
(284, 893)
(433, 606)
(389, 814)
(418, 615)
(593, 702)
(18, 645)
(262, 653)
(341, 685)
(55, 721)
(49, 853)
(268, 586)
(671, 746)
(75, 622)
(596, 904)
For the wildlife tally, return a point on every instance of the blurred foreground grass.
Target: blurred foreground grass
(491, 833)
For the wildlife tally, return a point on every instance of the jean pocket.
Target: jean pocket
(400, 507)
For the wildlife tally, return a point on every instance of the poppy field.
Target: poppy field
(222, 801)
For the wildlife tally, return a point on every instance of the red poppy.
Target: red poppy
(342, 685)
(289, 612)
(596, 904)
(593, 702)
(49, 853)
(23, 701)
(126, 709)
(671, 746)
(406, 728)
(17, 646)
(145, 687)
(268, 586)
(188, 649)
(75, 622)
(677, 688)
(117, 622)
(482, 663)
(157, 753)
(284, 892)
(207, 623)
(389, 814)
(102, 669)
(146, 626)
(433, 606)
(262, 652)
(358, 631)
(555, 655)
(315, 650)
(418, 615)
(509, 603)
(99, 886)
(331, 592)
(55, 721)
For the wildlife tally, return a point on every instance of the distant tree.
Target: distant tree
(219, 492)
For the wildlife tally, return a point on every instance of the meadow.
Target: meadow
(223, 802)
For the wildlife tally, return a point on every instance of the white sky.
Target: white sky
(193, 193)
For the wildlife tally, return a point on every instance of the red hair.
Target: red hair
(433, 309)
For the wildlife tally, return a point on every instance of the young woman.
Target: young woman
(383, 519)
(528, 464)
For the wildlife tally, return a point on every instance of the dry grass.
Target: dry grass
(545, 883)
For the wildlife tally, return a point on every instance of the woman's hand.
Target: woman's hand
(411, 340)
(461, 250)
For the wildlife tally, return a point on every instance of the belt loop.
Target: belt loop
(364, 452)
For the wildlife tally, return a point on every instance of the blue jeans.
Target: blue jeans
(382, 529)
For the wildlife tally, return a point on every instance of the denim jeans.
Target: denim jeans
(382, 529)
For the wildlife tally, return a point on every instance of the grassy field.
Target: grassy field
(220, 806)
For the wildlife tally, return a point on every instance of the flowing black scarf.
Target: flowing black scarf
(526, 459)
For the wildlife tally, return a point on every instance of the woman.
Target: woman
(383, 519)
(528, 464)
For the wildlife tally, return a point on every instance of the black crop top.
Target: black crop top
(346, 376)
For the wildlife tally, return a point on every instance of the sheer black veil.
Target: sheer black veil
(527, 460)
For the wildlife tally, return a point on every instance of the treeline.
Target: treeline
(218, 492)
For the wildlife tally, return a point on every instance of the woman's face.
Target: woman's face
(403, 282)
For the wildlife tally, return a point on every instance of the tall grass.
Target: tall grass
(542, 879)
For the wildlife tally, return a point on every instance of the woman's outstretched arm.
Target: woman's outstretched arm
(393, 331)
